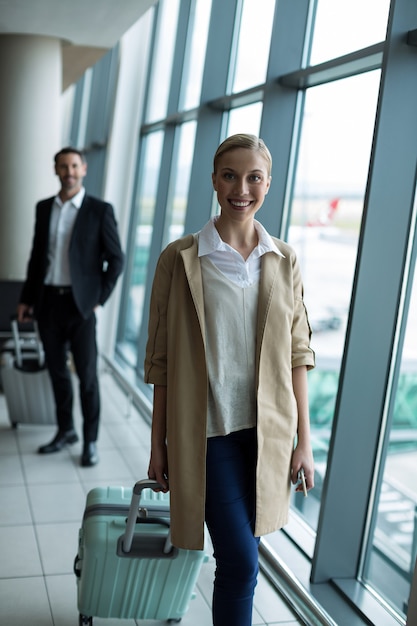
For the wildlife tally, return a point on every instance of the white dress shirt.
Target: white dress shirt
(228, 260)
(63, 217)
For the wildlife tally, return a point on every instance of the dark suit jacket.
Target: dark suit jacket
(95, 255)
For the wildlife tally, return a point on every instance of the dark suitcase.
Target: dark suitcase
(126, 566)
(25, 379)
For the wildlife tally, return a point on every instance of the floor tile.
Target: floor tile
(110, 467)
(19, 552)
(270, 605)
(29, 438)
(10, 470)
(48, 468)
(127, 434)
(15, 508)
(62, 592)
(57, 503)
(199, 611)
(24, 601)
(58, 545)
(137, 459)
(8, 444)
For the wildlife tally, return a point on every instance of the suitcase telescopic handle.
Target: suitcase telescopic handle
(17, 345)
(146, 483)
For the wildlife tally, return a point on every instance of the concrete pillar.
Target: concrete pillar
(30, 132)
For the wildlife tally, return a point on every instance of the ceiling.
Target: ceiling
(86, 28)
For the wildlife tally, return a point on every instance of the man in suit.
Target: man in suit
(73, 267)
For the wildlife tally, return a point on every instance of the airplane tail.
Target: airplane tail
(327, 216)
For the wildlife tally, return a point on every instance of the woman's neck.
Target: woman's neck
(240, 236)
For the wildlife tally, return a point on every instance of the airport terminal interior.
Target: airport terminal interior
(148, 89)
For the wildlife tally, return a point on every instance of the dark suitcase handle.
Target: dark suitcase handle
(77, 569)
(147, 483)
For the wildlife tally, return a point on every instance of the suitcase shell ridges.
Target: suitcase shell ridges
(131, 587)
(25, 379)
(28, 395)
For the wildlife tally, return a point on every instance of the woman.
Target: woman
(228, 353)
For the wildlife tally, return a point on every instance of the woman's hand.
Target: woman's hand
(302, 458)
(158, 466)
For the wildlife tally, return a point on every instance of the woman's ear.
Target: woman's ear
(269, 184)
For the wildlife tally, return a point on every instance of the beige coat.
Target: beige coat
(175, 357)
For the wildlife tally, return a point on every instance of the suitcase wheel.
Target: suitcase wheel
(85, 621)
(174, 620)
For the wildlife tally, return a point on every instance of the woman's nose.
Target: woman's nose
(241, 186)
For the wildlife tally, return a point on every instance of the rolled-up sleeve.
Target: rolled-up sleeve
(301, 352)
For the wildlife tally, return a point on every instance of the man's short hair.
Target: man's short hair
(70, 150)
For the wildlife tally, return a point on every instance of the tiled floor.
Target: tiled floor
(42, 502)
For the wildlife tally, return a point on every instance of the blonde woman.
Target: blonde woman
(228, 353)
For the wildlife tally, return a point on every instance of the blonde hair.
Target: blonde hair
(249, 142)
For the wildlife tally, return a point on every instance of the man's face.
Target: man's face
(70, 170)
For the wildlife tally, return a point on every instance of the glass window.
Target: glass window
(326, 215)
(246, 119)
(180, 176)
(195, 55)
(254, 39)
(144, 211)
(391, 558)
(161, 65)
(342, 27)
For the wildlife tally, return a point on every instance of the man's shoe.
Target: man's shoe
(89, 456)
(59, 441)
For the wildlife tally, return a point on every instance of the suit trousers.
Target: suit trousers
(62, 329)
(230, 519)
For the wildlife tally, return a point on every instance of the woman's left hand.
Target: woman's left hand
(302, 459)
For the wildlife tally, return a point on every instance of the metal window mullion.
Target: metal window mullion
(209, 128)
(179, 54)
(134, 219)
(152, 47)
(164, 188)
(161, 207)
(376, 301)
(281, 106)
(351, 64)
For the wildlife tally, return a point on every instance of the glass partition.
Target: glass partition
(326, 216)
(144, 212)
(255, 29)
(195, 55)
(161, 66)
(344, 26)
(392, 549)
(180, 179)
(245, 119)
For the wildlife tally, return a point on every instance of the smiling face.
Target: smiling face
(71, 171)
(241, 180)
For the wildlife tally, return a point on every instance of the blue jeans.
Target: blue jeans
(230, 518)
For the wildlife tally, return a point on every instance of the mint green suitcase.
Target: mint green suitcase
(126, 566)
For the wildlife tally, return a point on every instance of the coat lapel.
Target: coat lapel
(193, 272)
(269, 271)
(80, 216)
